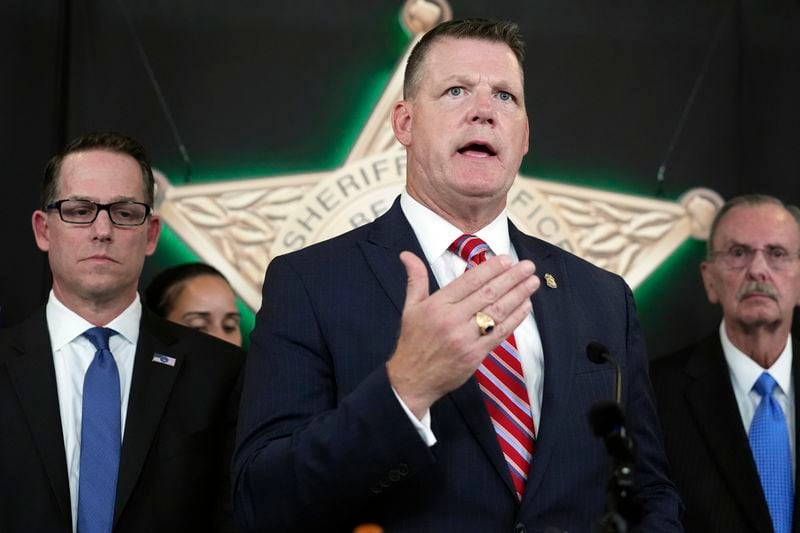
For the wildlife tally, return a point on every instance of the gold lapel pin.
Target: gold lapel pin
(551, 281)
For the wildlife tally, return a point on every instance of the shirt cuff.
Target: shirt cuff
(423, 426)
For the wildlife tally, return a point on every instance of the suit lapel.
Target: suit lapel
(390, 235)
(558, 345)
(33, 377)
(713, 404)
(151, 385)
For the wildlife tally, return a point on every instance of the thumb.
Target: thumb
(417, 278)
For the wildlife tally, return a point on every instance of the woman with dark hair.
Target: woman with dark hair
(196, 295)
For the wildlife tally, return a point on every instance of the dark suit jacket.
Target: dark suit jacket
(324, 445)
(177, 442)
(706, 442)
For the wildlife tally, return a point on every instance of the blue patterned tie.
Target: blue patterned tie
(100, 438)
(769, 441)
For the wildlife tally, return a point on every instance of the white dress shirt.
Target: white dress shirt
(435, 236)
(744, 373)
(72, 354)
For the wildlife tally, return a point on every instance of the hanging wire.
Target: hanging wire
(159, 94)
(662, 169)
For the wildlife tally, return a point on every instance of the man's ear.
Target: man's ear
(153, 232)
(401, 121)
(41, 230)
(708, 282)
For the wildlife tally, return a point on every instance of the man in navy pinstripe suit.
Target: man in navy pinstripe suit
(360, 402)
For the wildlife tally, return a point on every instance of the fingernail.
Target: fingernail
(529, 268)
(505, 260)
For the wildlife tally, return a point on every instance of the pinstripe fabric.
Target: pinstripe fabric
(502, 383)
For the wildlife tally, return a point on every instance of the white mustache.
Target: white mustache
(758, 287)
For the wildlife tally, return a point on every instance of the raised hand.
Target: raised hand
(440, 344)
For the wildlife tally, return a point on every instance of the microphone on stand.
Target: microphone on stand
(607, 421)
(598, 354)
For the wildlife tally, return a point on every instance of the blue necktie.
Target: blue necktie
(100, 438)
(769, 441)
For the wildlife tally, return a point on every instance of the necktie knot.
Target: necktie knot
(99, 337)
(765, 385)
(471, 249)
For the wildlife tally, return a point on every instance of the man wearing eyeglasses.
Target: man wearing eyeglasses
(112, 419)
(727, 404)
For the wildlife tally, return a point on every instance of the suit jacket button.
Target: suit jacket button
(402, 469)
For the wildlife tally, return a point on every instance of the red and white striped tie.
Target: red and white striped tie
(501, 380)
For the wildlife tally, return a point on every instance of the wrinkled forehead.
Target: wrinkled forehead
(448, 51)
(758, 226)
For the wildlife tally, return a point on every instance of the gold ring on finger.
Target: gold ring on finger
(485, 323)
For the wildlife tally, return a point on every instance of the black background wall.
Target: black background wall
(262, 88)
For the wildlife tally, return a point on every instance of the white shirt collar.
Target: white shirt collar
(435, 234)
(65, 325)
(745, 372)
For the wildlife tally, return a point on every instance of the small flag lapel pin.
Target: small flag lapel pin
(164, 359)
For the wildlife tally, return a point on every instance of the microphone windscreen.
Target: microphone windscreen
(596, 352)
(605, 417)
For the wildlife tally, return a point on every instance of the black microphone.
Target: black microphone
(607, 421)
(598, 354)
(606, 417)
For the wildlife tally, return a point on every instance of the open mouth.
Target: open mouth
(477, 150)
